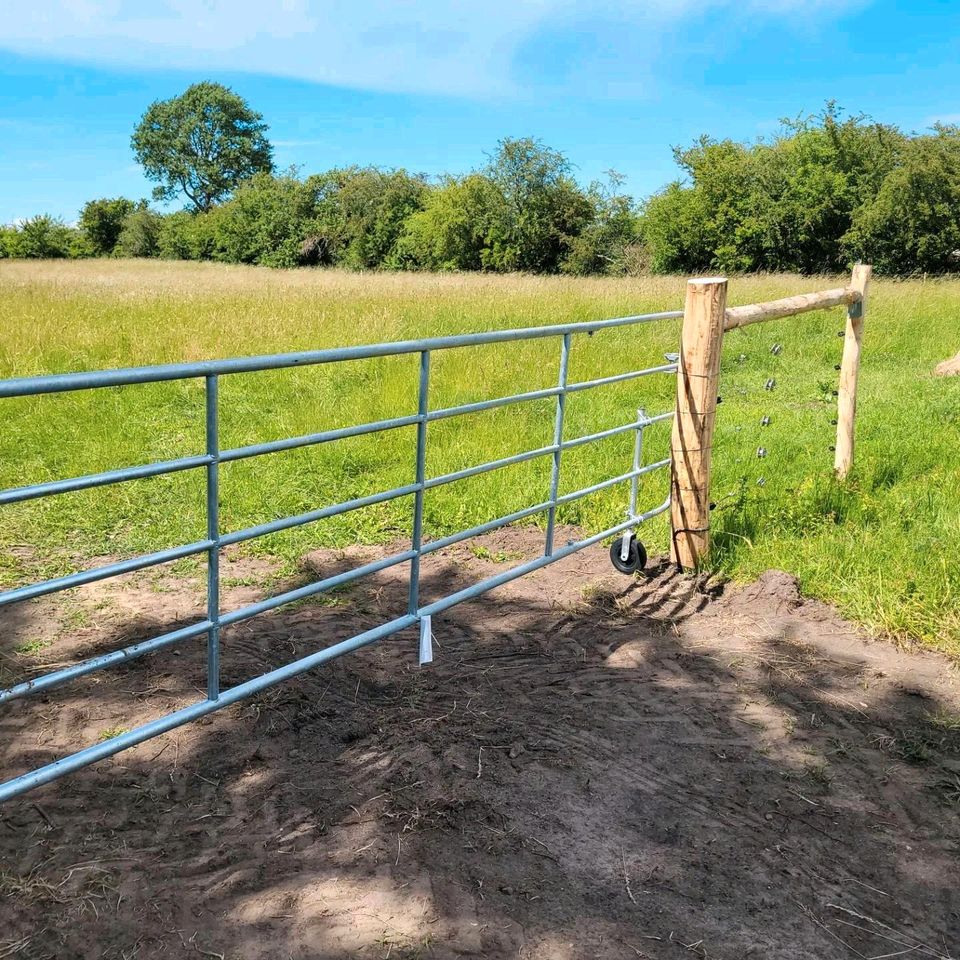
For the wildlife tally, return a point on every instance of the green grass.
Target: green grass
(881, 546)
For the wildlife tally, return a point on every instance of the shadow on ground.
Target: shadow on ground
(594, 767)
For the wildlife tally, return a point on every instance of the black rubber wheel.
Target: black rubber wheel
(636, 555)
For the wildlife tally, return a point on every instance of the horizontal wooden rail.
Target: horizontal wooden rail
(788, 306)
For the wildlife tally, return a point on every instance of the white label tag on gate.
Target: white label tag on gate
(426, 641)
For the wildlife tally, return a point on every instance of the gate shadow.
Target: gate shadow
(593, 767)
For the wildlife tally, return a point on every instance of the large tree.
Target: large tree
(545, 208)
(201, 144)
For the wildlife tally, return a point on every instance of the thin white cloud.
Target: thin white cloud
(438, 46)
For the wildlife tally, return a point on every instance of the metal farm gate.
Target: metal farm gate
(626, 553)
(706, 319)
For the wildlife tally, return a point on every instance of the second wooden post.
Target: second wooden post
(849, 369)
(698, 377)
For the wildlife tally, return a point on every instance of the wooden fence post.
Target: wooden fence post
(698, 376)
(849, 368)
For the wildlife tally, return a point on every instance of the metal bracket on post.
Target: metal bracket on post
(426, 641)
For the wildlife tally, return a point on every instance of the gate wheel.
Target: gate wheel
(636, 555)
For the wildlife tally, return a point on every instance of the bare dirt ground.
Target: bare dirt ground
(594, 767)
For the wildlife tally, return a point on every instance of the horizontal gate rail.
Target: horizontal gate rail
(62, 382)
(216, 540)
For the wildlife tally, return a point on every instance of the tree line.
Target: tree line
(825, 191)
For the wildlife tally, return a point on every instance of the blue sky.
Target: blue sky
(432, 86)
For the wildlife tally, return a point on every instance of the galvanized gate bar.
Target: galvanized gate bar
(61, 382)
(171, 721)
(324, 513)
(213, 535)
(216, 540)
(311, 439)
(140, 472)
(48, 680)
(312, 589)
(558, 440)
(104, 573)
(484, 586)
(613, 481)
(19, 494)
(423, 402)
(276, 526)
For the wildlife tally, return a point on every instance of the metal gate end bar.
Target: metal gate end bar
(655, 512)
(642, 422)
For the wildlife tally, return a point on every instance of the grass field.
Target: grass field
(883, 546)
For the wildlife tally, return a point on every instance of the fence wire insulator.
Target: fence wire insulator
(837, 366)
(761, 452)
(841, 333)
(776, 349)
(770, 384)
(765, 422)
(761, 482)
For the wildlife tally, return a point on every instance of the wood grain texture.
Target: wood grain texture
(698, 377)
(849, 370)
(790, 306)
